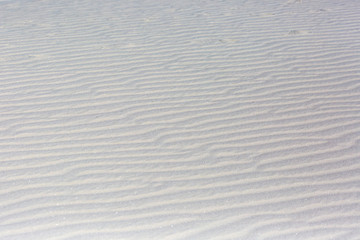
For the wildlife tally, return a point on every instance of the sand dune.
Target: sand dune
(179, 120)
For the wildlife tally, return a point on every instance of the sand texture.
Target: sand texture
(181, 119)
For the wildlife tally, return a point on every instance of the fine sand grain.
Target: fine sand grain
(176, 120)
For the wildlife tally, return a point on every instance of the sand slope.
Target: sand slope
(179, 119)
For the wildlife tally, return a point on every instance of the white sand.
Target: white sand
(179, 119)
